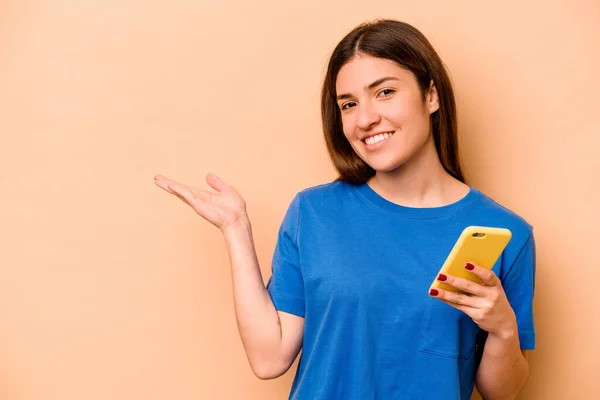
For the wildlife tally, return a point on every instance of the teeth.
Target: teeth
(377, 138)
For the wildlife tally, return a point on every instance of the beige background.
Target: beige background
(112, 289)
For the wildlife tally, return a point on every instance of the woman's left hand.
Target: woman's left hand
(485, 303)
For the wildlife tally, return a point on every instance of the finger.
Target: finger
(183, 192)
(470, 311)
(462, 284)
(162, 181)
(487, 276)
(456, 298)
(163, 185)
(215, 182)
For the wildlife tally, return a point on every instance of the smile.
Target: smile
(372, 140)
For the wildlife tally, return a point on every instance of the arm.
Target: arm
(271, 339)
(503, 369)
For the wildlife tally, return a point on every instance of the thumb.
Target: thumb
(215, 182)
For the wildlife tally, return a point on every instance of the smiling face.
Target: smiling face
(385, 117)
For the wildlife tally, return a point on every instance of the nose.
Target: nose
(367, 116)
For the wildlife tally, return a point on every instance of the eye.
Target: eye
(347, 105)
(385, 92)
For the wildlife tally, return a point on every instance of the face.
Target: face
(384, 115)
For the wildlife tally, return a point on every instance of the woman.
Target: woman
(355, 257)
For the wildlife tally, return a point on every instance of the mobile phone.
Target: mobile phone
(481, 245)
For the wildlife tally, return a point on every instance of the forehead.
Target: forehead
(362, 70)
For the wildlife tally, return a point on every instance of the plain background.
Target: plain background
(113, 289)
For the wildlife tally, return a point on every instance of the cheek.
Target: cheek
(347, 127)
(400, 114)
(405, 111)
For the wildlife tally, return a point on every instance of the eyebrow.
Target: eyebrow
(369, 87)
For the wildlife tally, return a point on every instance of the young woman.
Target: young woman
(355, 257)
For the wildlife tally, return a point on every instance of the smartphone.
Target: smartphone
(481, 245)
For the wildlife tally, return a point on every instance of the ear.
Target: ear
(432, 101)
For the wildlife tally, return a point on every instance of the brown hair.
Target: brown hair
(404, 44)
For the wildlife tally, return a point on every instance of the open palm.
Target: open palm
(221, 209)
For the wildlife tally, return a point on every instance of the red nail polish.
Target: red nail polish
(433, 292)
(469, 267)
(442, 277)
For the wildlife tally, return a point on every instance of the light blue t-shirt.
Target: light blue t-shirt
(358, 268)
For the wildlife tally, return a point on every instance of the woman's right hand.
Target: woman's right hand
(223, 209)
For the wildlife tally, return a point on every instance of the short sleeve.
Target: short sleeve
(286, 285)
(519, 285)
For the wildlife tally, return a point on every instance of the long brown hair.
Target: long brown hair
(404, 44)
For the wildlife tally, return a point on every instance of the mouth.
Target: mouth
(377, 139)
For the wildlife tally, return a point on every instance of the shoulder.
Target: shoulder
(325, 194)
(497, 214)
(326, 189)
(323, 200)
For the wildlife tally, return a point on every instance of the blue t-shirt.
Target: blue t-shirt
(358, 267)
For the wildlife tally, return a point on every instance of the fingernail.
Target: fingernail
(442, 277)
(469, 267)
(433, 292)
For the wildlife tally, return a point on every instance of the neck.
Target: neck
(420, 182)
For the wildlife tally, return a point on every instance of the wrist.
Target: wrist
(507, 333)
(241, 224)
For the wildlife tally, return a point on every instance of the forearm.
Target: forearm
(257, 318)
(503, 370)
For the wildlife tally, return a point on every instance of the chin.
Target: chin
(386, 165)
